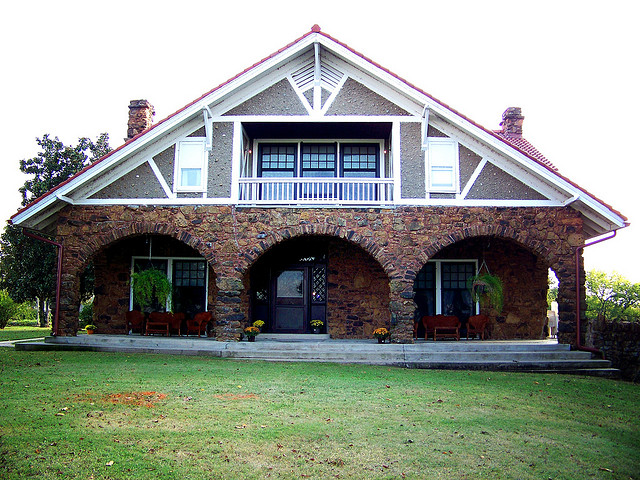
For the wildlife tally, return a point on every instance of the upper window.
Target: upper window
(319, 160)
(442, 165)
(191, 163)
(277, 160)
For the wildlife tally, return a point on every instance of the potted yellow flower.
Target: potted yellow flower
(251, 333)
(90, 329)
(258, 324)
(316, 325)
(381, 334)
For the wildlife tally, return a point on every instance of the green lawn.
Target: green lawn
(116, 416)
(21, 333)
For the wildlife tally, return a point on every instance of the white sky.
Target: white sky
(69, 68)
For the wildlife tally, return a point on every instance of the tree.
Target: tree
(27, 269)
(612, 296)
(28, 266)
(56, 163)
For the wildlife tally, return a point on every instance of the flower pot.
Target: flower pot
(251, 338)
(90, 332)
(316, 330)
(381, 340)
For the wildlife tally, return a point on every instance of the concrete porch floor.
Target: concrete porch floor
(510, 355)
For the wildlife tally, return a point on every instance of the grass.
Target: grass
(22, 333)
(115, 416)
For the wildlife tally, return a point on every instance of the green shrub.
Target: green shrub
(86, 315)
(8, 308)
(25, 316)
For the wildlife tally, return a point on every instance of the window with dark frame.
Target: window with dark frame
(318, 159)
(277, 160)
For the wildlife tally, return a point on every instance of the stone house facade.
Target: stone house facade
(318, 185)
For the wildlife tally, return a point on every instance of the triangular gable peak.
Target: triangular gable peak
(317, 83)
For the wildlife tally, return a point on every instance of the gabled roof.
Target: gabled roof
(601, 216)
(523, 145)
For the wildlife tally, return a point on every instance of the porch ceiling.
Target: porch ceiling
(331, 130)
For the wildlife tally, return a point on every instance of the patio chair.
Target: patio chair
(477, 325)
(175, 322)
(135, 321)
(198, 323)
(446, 326)
(429, 323)
(159, 322)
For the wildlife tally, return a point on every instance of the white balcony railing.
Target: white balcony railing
(315, 191)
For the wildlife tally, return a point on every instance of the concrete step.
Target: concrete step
(540, 356)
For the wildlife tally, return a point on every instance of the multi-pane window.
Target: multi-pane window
(318, 160)
(277, 160)
(455, 275)
(360, 160)
(189, 273)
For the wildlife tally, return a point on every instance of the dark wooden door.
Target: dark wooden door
(291, 301)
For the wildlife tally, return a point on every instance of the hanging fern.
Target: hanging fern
(487, 290)
(150, 285)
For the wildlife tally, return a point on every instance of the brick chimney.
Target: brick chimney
(141, 115)
(512, 120)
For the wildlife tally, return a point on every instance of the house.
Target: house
(316, 184)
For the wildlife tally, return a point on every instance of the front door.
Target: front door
(290, 303)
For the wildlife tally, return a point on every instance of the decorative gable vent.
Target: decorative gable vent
(330, 77)
(304, 77)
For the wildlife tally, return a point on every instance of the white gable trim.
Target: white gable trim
(161, 180)
(474, 176)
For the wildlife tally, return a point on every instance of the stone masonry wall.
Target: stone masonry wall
(620, 343)
(358, 293)
(400, 240)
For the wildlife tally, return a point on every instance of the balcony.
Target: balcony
(315, 191)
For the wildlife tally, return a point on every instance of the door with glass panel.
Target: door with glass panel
(290, 303)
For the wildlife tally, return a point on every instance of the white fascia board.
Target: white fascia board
(309, 119)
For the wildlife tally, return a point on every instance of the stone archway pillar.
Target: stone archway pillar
(402, 308)
(68, 317)
(567, 299)
(230, 314)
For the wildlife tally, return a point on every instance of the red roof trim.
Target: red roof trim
(316, 30)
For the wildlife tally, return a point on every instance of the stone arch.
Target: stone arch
(521, 262)
(353, 273)
(454, 236)
(90, 245)
(82, 248)
(254, 252)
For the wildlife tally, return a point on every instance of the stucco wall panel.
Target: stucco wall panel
(279, 99)
(468, 163)
(497, 184)
(165, 162)
(138, 183)
(412, 161)
(356, 99)
(220, 160)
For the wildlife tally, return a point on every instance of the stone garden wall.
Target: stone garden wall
(620, 343)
